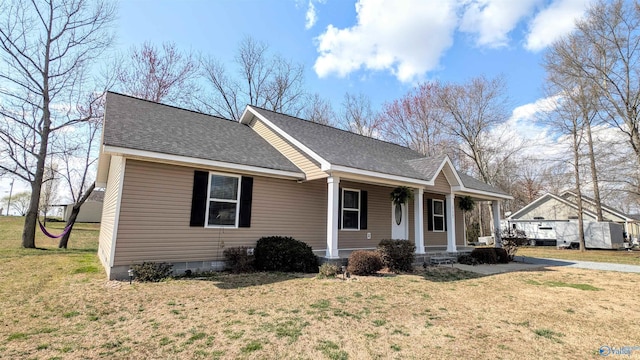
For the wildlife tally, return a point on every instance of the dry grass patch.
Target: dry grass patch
(52, 311)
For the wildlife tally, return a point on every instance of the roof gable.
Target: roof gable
(617, 213)
(334, 148)
(138, 124)
(544, 198)
(344, 148)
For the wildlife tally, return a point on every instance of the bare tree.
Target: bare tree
(47, 48)
(19, 202)
(77, 158)
(358, 117)
(607, 55)
(559, 62)
(159, 75)
(472, 110)
(414, 119)
(569, 121)
(319, 111)
(266, 81)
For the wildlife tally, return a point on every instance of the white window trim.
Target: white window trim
(434, 216)
(209, 199)
(350, 209)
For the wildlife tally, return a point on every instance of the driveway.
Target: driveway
(521, 263)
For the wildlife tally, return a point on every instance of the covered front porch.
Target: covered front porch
(360, 213)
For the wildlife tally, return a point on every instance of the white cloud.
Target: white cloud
(492, 20)
(310, 16)
(409, 37)
(556, 20)
(531, 111)
(405, 37)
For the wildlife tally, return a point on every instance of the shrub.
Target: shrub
(327, 270)
(467, 260)
(152, 272)
(397, 255)
(501, 255)
(279, 253)
(485, 255)
(512, 239)
(364, 262)
(237, 260)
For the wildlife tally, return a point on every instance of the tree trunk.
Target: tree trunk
(576, 172)
(74, 215)
(594, 174)
(29, 230)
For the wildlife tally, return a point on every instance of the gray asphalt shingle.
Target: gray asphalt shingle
(144, 125)
(340, 147)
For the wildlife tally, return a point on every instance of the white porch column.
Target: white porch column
(495, 207)
(418, 201)
(451, 223)
(333, 190)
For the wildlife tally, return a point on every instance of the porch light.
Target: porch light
(131, 275)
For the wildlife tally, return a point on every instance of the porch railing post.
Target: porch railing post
(333, 190)
(418, 200)
(451, 223)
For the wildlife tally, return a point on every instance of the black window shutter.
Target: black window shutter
(444, 208)
(339, 208)
(429, 217)
(199, 198)
(364, 204)
(246, 197)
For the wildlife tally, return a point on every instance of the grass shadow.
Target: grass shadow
(230, 281)
(448, 274)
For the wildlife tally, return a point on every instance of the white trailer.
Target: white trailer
(597, 235)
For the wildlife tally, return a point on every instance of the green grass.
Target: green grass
(585, 287)
(611, 256)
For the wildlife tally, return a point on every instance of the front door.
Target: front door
(399, 222)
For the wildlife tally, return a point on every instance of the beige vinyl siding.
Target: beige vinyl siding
(433, 238)
(551, 209)
(309, 166)
(156, 208)
(109, 210)
(378, 218)
(441, 185)
(606, 214)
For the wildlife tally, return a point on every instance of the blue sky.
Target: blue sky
(381, 48)
(344, 49)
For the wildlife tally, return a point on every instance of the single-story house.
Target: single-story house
(181, 186)
(90, 211)
(538, 217)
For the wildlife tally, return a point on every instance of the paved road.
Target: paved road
(527, 263)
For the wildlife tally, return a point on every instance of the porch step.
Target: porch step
(439, 260)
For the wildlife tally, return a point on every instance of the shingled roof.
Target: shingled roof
(340, 147)
(144, 125)
(472, 183)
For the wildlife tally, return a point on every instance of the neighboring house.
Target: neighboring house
(538, 217)
(181, 186)
(90, 211)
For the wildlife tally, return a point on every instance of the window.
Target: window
(351, 209)
(222, 200)
(438, 215)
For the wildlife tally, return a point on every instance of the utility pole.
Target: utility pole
(9, 202)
